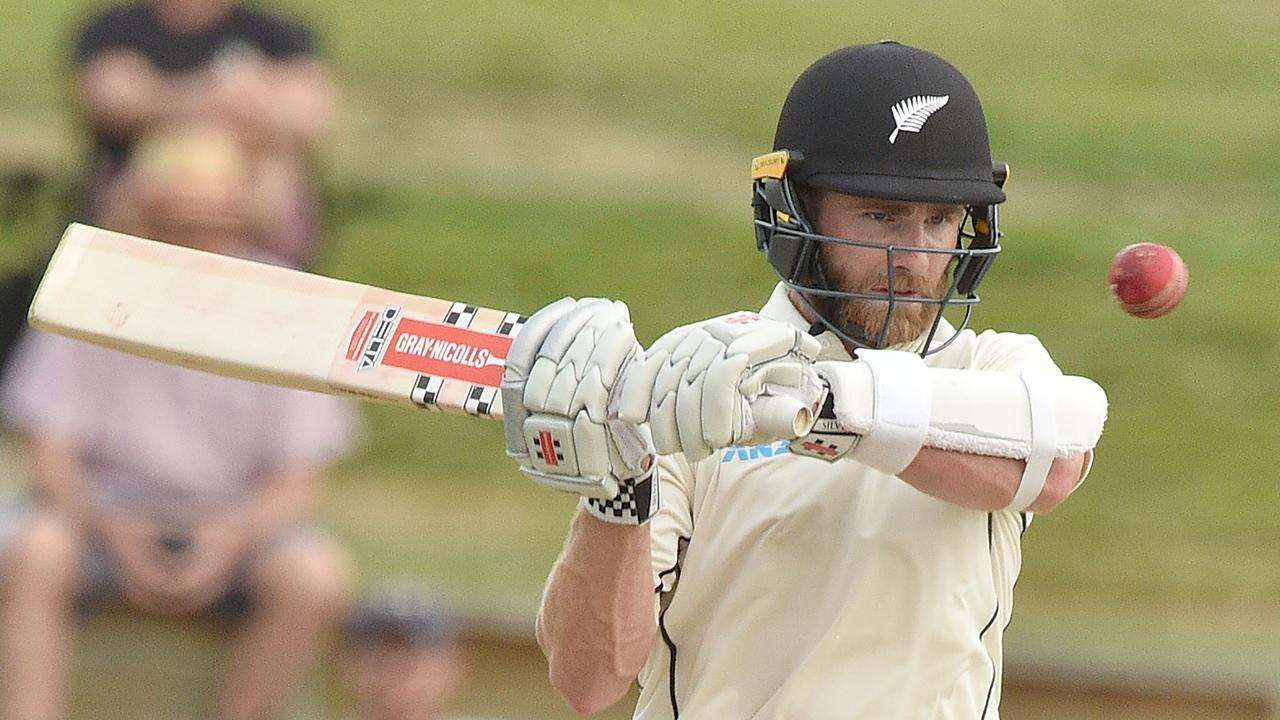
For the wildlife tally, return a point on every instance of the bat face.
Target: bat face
(271, 324)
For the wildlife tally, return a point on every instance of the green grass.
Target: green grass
(511, 153)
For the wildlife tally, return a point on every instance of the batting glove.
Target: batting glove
(698, 384)
(559, 394)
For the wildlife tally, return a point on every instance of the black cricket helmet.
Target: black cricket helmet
(883, 121)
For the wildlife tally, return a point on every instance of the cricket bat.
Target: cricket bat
(281, 326)
(272, 324)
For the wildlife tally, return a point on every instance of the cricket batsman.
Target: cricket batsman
(865, 569)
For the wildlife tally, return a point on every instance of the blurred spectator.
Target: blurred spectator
(190, 183)
(162, 65)
(20, 190)
(180, 492)
(401, 656)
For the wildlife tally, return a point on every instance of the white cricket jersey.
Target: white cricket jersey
(799, 589)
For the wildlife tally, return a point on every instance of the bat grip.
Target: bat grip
(781, 416)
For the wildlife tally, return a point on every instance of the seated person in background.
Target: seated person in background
(166, 63)
(176, 491)
(193, 184)
(401, 656)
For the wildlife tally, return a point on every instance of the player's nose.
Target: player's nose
(911, 236)
(907, 257)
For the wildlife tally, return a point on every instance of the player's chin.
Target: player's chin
(906, 323)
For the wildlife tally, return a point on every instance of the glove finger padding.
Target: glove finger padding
(611, 352)
(524, 349)
(537, 386)
(596, 337)
(697, 381)
(688, 418)
(614, 350)
(759, 346)
(650, 384)
(702, 353)
(592, 443)
(786, 374)
(640, 388)
(723, 420)
(589, 312)
(665, 397)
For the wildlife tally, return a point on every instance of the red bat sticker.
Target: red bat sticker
(360, 336)
(447, 351)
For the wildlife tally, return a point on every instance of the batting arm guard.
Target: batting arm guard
(896, 404)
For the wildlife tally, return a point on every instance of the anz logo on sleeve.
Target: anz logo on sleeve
(744, 453)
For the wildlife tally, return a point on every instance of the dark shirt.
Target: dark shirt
(136, 27)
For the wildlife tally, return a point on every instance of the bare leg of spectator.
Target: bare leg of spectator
(37, 618)
(300, 594)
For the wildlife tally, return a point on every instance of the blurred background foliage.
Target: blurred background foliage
(509, 153)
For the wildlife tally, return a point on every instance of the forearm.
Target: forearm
(982, 439)
(987, 483)
(273, 102)
(122, 94)
(597, 623)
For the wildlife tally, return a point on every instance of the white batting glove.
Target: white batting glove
(697, 383)
(558, 393)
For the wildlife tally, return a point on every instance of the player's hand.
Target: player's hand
(559, 393)
(696, 384)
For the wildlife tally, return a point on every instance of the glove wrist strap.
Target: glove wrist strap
(635, 503)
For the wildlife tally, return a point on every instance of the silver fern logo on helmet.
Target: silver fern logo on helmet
(910, 115)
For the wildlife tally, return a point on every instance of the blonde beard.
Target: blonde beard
(910, 319)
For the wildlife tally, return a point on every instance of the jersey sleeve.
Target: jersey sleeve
(1010, 352)
(673, 525)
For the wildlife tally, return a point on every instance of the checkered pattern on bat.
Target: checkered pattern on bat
(511, 324)
(635, 503)
(426, 390)
(480, 399)
(460, 314)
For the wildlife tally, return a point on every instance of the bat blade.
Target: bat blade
(271, 324)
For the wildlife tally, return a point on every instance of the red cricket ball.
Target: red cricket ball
(1147, 279)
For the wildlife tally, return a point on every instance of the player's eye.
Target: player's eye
(947, 216)
(876, 215)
